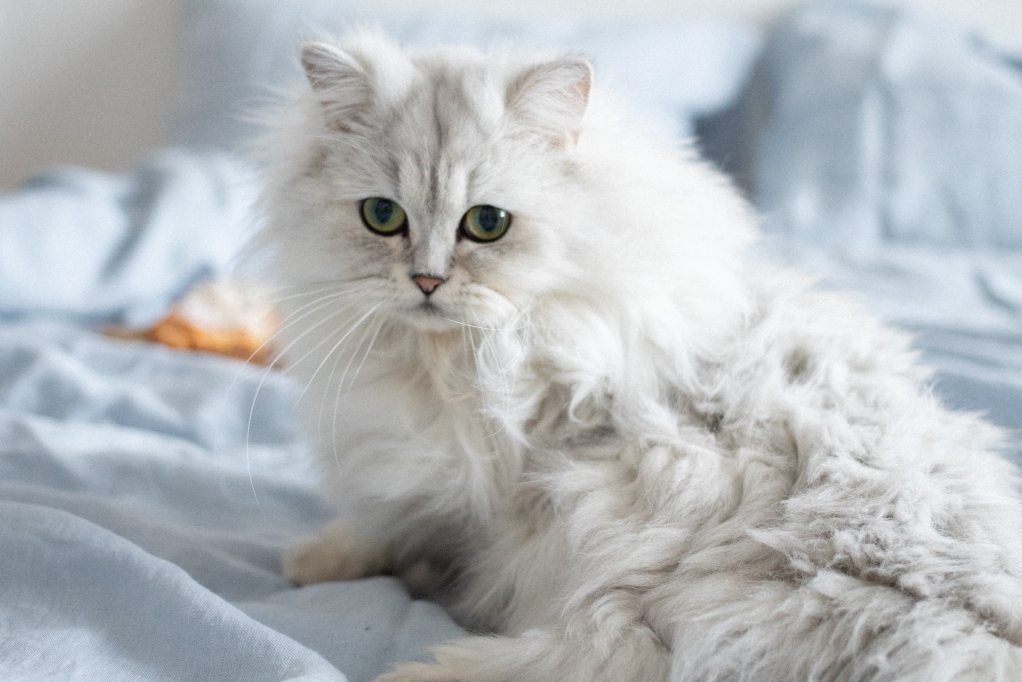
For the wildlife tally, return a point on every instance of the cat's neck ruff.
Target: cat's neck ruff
(595, 364)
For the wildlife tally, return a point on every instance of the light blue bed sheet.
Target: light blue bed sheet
(101, 248)
(141, 524)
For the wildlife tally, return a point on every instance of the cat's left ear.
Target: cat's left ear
(341, 83)
(551, 98)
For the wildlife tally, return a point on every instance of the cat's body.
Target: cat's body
(609, 437)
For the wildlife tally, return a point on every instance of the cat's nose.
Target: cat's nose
(427, 283)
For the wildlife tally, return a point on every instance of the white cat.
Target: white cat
(554, 391)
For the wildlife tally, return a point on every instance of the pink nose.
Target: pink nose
(426, 283)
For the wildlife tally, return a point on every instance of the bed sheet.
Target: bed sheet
(143, 521)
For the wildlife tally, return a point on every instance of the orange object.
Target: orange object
(217, 317)
(178, 332)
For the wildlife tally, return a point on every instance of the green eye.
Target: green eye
(383, 216)
(485, 223)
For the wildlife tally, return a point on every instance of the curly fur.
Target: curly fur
(615, 440)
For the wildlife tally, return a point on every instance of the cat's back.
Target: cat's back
(883, 482)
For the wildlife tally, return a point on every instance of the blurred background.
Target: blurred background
(100, 82)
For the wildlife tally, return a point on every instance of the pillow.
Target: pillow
(868, 124)
(240, 51)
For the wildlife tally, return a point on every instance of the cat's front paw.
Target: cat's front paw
(336, 554)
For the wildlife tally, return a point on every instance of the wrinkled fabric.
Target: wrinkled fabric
(103, 247)
(142, 520)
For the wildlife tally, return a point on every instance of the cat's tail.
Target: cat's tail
(984, 657)
(836, 627)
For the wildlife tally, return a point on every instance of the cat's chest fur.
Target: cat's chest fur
(516, 509)
(518, 489)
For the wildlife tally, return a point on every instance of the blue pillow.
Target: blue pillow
(240, 51)
(867, 124)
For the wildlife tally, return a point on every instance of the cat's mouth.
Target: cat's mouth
(428, 315)
(428, 309)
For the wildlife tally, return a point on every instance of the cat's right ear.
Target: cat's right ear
(341, 83)
(551, 98)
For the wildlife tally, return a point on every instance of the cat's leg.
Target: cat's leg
(337, 553)
(635, 655)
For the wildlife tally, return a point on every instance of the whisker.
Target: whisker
(340, 330)
(323, 402)
(488, 329)
(288, 287)
(351, 359)
(334, 348)
(365, 356)
(333, 423)
(291, 319)
(304, 294)
(337, 401)
(286, 324)
(350, 285)
(259, 388)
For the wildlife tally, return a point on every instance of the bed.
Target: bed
(146, 494)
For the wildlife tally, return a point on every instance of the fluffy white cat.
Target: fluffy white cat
(554, 391)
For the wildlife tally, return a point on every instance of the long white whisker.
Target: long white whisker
(288, 322)
(340, 331)
(303, 294)
(351, 359)
(323, 402)
(259, 388)
(334, 348)
(488, 329)
(337, 404)
(365, 356)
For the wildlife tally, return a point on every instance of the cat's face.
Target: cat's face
(437, 187)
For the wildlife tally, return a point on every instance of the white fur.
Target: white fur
(620, 445)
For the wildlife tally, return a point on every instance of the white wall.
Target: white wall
(84, 81)
(93, 82)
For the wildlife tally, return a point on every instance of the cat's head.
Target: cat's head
(456, 187)
(434, 184)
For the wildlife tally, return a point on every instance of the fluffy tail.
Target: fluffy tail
(835, 627)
